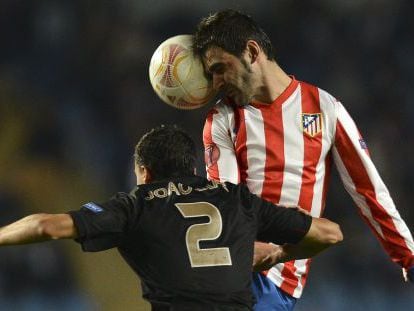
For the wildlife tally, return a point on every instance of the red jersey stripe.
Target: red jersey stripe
(290, 281)
(275, 158)
(313, 146)
(240, 144)
(304, 277)
(326, 179)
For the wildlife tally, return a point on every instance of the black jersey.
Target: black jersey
(189, 239)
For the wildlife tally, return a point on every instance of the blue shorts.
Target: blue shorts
(269, 297)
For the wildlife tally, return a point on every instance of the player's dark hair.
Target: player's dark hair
(167, 151)
(230, 30)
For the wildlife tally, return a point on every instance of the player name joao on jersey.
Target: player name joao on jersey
(180, 189)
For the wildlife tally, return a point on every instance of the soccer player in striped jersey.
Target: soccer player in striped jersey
(189, 239)
(279, 135)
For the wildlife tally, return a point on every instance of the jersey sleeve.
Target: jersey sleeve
(275, 223)
(102, 226)
(220, 157)
(363, 183)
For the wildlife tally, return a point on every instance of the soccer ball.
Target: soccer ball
(177, 76)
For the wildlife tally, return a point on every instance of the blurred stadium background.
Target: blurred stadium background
(74, 98)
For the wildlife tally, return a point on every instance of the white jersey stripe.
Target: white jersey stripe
(293, 147)
(317, 199)
(300, 270)
(228, 170)
(255, 157)
(318, 188)
(275, 276)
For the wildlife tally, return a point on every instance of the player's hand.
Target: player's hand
(265, 256)
(409, 274)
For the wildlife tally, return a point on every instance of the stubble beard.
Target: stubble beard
(245, 94)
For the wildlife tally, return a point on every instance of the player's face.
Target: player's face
(230, 74)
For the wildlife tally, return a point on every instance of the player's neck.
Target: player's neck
(272, 83)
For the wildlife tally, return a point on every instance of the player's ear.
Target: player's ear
(147, 175)
(143, 174)
(253, 50)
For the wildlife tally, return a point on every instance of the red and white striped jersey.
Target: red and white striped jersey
(283, 152)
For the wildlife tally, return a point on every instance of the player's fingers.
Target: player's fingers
(263, 265)
(404, 271)
(408, 274)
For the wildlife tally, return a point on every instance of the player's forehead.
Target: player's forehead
(215, 55)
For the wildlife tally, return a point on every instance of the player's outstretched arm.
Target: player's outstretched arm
(38, 228)
(322, 234)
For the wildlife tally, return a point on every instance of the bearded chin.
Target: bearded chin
(239, 99)
(244, 100)
(241, 102)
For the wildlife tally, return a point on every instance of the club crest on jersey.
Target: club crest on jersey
(312, 123)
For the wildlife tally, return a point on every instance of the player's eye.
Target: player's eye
(217, 68)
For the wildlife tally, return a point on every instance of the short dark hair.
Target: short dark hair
(230, 30)
(167, 151)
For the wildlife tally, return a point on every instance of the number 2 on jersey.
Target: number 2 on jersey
(211, 230)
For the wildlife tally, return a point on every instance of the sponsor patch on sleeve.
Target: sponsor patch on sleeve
(363, 144)
(93, 207)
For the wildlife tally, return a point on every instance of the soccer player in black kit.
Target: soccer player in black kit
(190, 240)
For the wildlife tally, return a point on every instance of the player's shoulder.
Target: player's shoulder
(222, 186)
(327, 102)
(323, 94)
(233, 187)
(224, 117)
(240, 191)
(117, 203)
(222, 106)
(124, 198)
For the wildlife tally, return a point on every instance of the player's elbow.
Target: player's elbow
(44, 226)
(57, 226)
(48, 228)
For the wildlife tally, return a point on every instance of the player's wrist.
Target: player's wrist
(277, 254)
